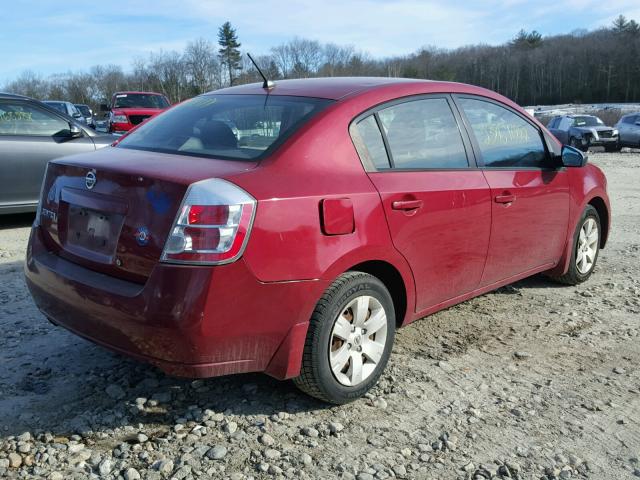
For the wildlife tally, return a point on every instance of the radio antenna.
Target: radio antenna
(268, 84)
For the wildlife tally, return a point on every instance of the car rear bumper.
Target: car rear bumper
(188, 321)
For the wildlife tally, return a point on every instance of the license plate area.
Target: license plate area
(93, 231)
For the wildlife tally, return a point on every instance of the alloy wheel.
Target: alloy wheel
(587, 249)
(357, 340)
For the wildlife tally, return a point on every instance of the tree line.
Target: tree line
(578, 67)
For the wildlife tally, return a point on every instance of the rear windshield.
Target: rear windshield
(140, 100)
(235, 127)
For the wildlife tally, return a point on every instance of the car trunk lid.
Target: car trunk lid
(111, 211)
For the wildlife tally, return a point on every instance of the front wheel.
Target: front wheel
(349, 339)
(586, 247)
(575, 143)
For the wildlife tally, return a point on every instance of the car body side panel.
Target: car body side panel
(531, 230)
(561, 135)
(23, 159)
(630, 132)
(445, 240)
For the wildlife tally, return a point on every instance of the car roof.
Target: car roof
(14, 96)
(333, 88)
(55, 101)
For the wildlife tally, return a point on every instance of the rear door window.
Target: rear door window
(423, 134)
(505, 139)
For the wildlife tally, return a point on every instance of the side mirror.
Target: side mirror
(74, 131)
(104, 107)
(637, 122)
(572, 157)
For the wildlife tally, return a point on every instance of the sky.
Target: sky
(56, 37)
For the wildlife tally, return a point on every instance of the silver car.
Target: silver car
(31, 134)
(629, 128)
(67, 108)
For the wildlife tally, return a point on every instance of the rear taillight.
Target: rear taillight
(212, 226)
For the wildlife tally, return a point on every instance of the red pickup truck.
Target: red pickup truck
(128, 109)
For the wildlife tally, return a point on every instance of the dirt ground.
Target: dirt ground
(534, 381)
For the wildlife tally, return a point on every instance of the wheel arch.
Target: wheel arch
(603, 212)
(385, 264)
(392, 279)
(598, 200)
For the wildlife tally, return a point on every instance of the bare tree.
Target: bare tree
(202, 66)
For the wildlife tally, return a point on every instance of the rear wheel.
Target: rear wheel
(586, 247)
(349, 340)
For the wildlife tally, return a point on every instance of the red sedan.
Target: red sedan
(291, 229)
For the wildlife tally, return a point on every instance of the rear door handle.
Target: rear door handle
(505, 198)
(406, 204)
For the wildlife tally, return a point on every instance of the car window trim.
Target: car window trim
(37, 106)
(476, 145)
(464, 134)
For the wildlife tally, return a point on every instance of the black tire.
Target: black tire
(573, 276)
(316, 377)
(579, 145)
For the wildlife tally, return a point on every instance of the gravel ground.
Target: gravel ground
(534, 381)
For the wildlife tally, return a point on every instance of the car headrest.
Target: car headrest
(217, 134)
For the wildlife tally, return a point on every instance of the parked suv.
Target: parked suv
(629, 128)
(128, 109)
(297, 248)
(584, 131)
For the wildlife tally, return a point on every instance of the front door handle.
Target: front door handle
(406, 204)
(505, 198)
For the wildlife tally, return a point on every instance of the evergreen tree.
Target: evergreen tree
(229, 51)
(526, 40)
(633, 28)
(620, 24)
